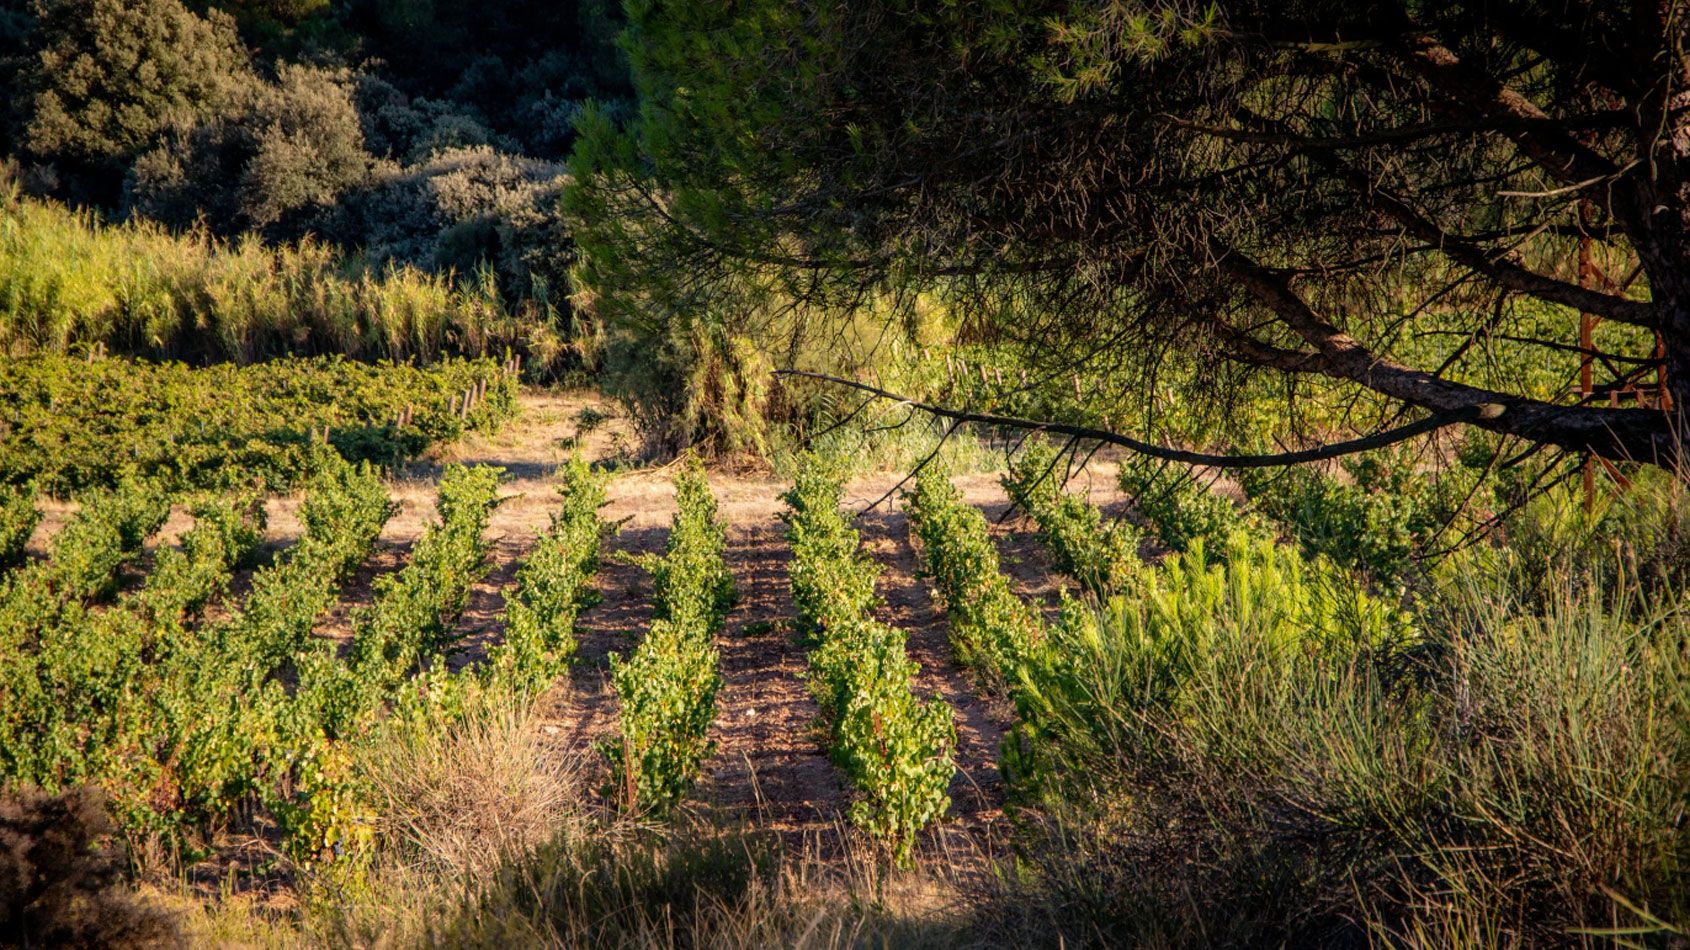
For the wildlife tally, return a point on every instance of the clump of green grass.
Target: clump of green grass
(1259, 752)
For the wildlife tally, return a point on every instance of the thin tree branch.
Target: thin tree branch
(1438, 420)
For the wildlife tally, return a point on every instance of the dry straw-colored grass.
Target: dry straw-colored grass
(458, 805)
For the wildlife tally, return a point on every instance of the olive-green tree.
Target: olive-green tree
(1384, 195)
(106, 77)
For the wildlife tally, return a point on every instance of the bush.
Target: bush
(1636, 536)
(1101, 557)
(109, 76)
(667, 687)
(1305, 764)
(278, 153)
(895, 748)
(61, 877)
(464, 208)
(1376, 523)
(213, 711)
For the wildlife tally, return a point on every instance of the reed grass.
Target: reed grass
(69, 279)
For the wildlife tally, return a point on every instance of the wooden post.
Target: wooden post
(1663, 398)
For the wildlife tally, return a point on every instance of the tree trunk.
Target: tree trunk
(1674, 307)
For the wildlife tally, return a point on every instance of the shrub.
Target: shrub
(280, 152)
(409, 130)
(1084, 700)
(61, 877)
(396, 664)
(225, 534)
(993, 632)
(667, 695)
(1376, 523)
(667, 686)
(894, 748)
(110, 75)
(1634, 536)
(1101, 557)
(1307, 765)
(473, 210)
(691, 581)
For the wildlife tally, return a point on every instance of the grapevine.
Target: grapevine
(895, 748)
(993, 631)
(667, 686)
(1102, 557)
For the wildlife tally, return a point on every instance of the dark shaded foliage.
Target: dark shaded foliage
(1321, 193)
(61, 876)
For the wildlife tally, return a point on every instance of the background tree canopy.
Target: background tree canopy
(1412, 201)
(402, 132)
